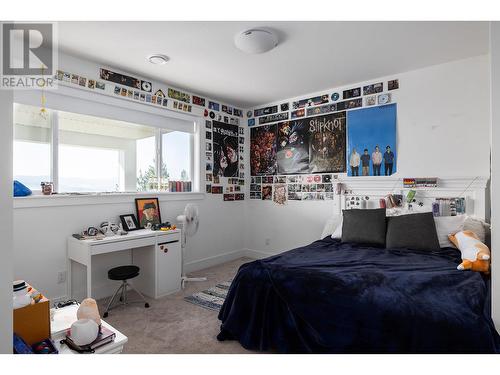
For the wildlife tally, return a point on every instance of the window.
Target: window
(32, 146)
(94, 154)
(176, 157)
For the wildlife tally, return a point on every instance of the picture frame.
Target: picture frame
(148, 211)
(129, 222)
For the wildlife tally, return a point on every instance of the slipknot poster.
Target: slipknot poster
(327, 143)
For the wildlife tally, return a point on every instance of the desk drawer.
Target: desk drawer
(102, 248)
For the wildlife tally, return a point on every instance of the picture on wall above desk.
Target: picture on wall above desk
(225, 149)
(148, 211)
(372, 141)
(263, 150)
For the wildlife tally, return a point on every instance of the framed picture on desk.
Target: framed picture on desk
(129, 222)
(148, 211)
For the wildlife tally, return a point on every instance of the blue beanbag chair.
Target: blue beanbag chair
(21, 190)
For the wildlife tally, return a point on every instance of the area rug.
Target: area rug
(212, 298)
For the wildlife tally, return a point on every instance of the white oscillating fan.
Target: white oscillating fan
(190, 222)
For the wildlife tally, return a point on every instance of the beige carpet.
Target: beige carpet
(172, 325)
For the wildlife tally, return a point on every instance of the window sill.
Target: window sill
(98, 198)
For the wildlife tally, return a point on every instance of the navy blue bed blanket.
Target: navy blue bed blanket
(332, 297)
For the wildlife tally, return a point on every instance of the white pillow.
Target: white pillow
(478, 226)
(337, 234)
(446, 225)
(330, 226)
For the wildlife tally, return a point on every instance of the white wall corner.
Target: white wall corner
(6, 219)
(495, 168)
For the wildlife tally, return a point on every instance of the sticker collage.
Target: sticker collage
(298, 159)
(132, 88)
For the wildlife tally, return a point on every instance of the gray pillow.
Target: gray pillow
(364, 226)
(414, 231)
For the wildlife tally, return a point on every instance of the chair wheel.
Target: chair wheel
(146, 305)
(105, 315)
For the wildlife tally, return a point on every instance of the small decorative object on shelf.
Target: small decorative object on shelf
(47, 188)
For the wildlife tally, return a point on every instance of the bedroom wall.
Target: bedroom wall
(443, 130)
(40, 232)
(495, 165)
(6, 100)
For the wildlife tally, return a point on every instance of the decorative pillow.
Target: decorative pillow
(415, 231)
(479, 227)
(337, 233)
(475, 254)
(365, 226)
(330, 226)
(446, 225)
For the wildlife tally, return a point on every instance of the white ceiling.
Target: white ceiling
(311, 56)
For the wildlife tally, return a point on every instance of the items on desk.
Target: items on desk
(148, 211)
(108, 229)
(129, 222)
(163, 226)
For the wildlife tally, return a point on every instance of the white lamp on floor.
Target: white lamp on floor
(190, 222)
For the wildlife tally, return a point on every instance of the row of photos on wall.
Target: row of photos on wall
(223, 141)
(298, 156)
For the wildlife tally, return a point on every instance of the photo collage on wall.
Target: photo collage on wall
(224, 147)
(289, 160)
(281, 189)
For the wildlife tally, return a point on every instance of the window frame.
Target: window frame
(159, 131)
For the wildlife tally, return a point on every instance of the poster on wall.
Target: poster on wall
(372, 141)
(225, 149)
(263, 150)
(293, 147)
(327, 143)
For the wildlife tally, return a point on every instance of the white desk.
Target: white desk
(157, 253)
(64, 317)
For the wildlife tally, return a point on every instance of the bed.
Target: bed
(333, 297)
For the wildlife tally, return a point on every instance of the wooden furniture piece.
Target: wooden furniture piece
(32, 322)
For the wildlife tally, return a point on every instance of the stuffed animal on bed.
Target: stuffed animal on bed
(475, 254)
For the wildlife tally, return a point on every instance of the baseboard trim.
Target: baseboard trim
(213, 260)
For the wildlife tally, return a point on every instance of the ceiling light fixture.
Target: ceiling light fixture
(255, 41)
(158, 59)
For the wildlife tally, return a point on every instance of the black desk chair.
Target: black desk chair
(123, 273)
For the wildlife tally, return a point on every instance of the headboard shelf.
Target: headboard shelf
(472, 188)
